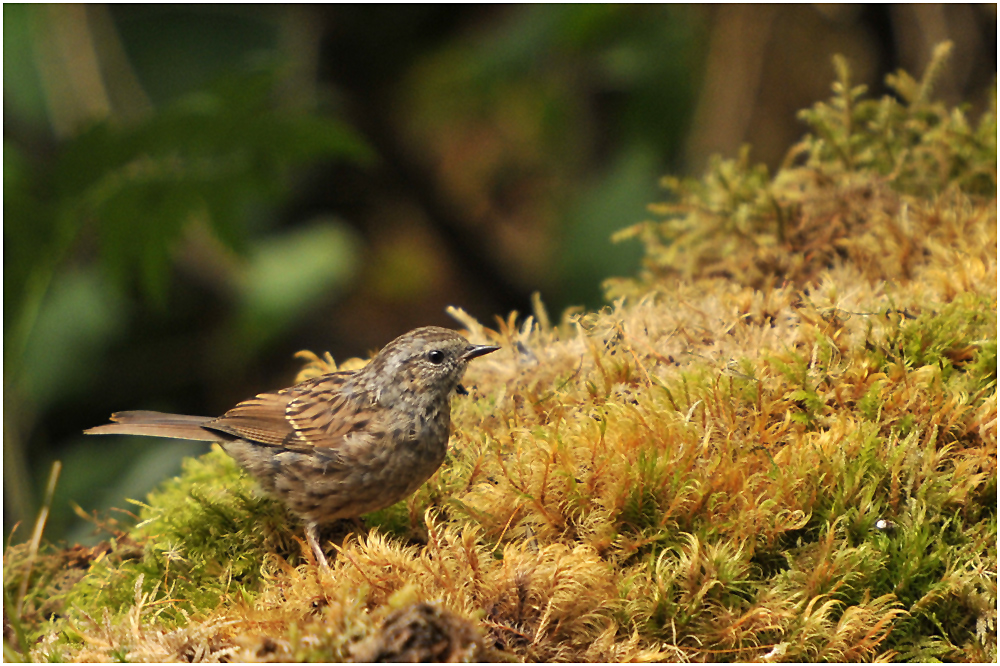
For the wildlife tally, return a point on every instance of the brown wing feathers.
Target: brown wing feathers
(259, 419)
(273, 419)
(324, 422)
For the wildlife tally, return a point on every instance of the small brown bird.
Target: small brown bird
(343, 444)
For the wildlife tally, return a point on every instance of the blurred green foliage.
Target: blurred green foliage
(553, 127)
(98, 217)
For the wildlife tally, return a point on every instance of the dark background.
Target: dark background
(194, 193)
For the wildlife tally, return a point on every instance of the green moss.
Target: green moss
(949, 338)
(870, 404)
(205, 537)
(861, 158)
(922, 144)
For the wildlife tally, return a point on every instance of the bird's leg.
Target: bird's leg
(313, 539)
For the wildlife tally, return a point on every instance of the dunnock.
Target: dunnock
(343, 444)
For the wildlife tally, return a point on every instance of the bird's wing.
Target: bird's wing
(325, 413)
(260, 419)
(311, 415)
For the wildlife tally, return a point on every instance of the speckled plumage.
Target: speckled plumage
(342, 444)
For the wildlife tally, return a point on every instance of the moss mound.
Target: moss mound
(778, 443)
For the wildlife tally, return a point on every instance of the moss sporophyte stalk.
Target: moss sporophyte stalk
(777, 441)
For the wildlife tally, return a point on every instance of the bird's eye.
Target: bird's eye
(436, 357)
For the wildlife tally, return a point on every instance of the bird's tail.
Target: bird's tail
(158, 424)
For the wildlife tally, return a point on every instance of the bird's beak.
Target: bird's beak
(473, 351)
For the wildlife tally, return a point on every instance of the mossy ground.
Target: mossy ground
(778, 443)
